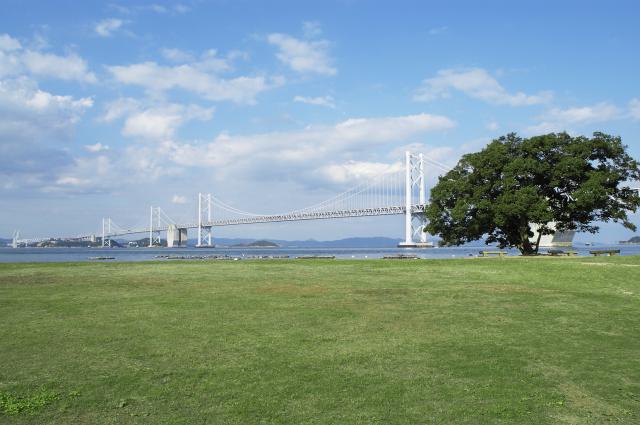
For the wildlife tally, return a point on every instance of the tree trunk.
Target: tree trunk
(525, 244)
(538, 241)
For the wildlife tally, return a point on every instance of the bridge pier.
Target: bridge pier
(176, 236)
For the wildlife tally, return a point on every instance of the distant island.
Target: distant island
(633, 240)
(256, 244)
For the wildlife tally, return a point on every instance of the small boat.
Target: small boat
(102, 258)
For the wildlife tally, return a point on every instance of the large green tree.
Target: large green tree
(514, 182)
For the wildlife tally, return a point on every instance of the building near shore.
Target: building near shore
(558, 239)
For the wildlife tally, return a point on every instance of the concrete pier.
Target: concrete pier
(176, 236)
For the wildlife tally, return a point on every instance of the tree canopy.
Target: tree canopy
(515, 182)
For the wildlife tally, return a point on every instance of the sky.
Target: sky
(108, 108)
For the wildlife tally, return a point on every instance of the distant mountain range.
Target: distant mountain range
(365, 242)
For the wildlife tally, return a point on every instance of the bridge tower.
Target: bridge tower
(414, 223)
(204, 221)
(106, 232)
(154, 227)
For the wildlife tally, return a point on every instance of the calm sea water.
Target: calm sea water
(153, 254)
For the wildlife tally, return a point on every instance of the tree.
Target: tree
(515, 182)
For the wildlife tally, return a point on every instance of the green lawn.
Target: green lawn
(473, 341)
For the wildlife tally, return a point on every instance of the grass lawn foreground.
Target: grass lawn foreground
(469, 341)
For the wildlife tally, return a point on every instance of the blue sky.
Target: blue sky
(107, 108)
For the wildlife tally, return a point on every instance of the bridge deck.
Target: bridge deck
(299, 216)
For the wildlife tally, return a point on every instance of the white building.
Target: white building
(556, 240)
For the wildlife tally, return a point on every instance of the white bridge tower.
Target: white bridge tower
(414, 223)
(106, 233)
(155, 224)
(204, 221)
(15, 242)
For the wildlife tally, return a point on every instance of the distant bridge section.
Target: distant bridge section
(401, 191)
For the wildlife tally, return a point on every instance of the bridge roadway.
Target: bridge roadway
(295, 216)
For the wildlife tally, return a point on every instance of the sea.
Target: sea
(8, 254)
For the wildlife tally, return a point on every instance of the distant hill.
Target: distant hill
(635, 239)
(364, 242)
(257, 244)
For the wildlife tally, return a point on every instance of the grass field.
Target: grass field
(526, 341)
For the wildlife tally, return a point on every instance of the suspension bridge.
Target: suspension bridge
(400, 191)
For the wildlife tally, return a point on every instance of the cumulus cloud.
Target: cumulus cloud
(179, 199)
(118, 108)
(30, 111)
(176, 55)
(8, 43)
(476, 83)
(107, 27)
(178, 8)
(199, 78)
(557, 119)
(70, 67)
(326, 101)
(357, 170)
(310, 153)
(492, 126)
(160, 123)
(153, 122)
(85, 175)
(34, 125)
(15, 61)
(303, 56)
(311, 29)
(97, 147)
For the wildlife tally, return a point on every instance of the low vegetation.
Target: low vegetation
(516, 340)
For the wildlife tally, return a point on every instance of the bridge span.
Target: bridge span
(401, 191)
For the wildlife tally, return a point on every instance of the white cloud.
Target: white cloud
(634, 109)
(118, 108)
(94, 174)
(196, 78)
(24, 105)
(160, 123)
(176, 55)
(8, 43)
(107, 27)
(476, 83)
(71, 67)
(97, 147)
(320, 101)
(34, 126)
(312, 29)
(157, 122)
(492, 126)
(304, 56)
(557, 119)
(311, 153)
(15, 61)
(178, 199)
(163, 10)
(357, 170)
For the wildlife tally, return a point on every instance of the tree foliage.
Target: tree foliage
(514, 182)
